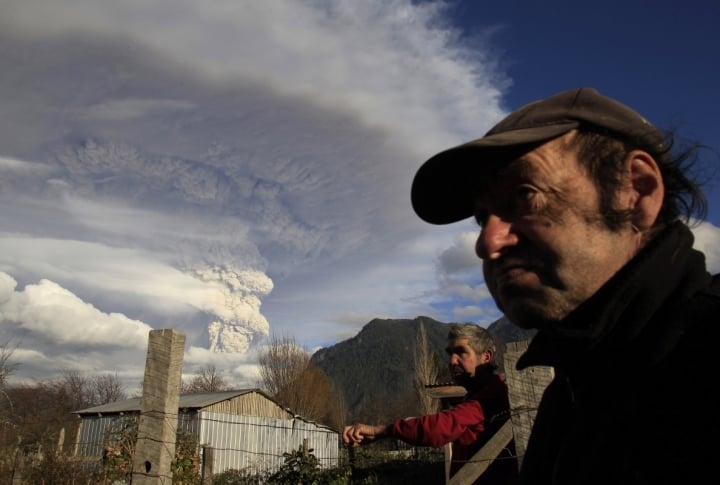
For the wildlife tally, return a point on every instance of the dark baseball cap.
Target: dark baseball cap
(444, 186)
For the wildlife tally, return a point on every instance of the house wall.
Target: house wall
(247, 432)
(257, 444)
(250, 404)
(96, 430)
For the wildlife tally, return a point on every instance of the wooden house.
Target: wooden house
(246, 429)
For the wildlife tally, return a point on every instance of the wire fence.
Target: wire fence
(253, 449)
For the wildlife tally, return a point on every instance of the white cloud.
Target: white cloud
(707, 240)
(125, 109)
(346, 55)
(55, 315)
(10, 165)
(476, 313)
(238, 370)
(461, 256)
(136, 274)
(183, 163)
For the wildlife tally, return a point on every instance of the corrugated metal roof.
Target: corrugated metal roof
(187, 401)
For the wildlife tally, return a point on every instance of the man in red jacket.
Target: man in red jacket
(469, 424)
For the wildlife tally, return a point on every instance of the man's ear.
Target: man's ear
(486, 356)
(646, 189)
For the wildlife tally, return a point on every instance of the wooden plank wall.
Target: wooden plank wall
(525, 388)
(250, 404)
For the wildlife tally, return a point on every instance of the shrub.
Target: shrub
(302, 466)
(52, 469)
(118, 457)
(186, 466)
(239, 477)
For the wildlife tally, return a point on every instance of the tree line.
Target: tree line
(32, 415)
(38, 417)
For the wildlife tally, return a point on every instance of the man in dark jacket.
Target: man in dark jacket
(583, 208)
(468, 425)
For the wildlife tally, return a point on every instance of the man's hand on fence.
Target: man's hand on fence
(357, 434)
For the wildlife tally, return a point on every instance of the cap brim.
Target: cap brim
(444, 187)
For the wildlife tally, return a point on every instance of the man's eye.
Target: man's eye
(515, 201)
(526, 193)
(526, 200)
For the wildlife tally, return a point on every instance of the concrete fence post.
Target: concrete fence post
(157, 428)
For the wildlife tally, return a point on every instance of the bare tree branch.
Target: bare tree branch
(105, 389)
(7, 368)
(208, 379)
(427, 370)
(288, 376)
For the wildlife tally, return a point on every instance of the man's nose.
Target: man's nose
(495, 235)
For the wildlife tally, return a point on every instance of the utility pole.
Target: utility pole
(155, 449)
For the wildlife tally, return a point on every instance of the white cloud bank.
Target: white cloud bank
(228, 169)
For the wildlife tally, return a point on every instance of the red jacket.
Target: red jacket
(468, 425)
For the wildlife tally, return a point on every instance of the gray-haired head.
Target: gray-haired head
(479, 338)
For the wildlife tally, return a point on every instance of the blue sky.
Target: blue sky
(661, 57)
(241, 168)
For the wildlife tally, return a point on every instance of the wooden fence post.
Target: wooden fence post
(525, 388)
(207, 465)
(17, 471)
(61, 442)
(481, 460)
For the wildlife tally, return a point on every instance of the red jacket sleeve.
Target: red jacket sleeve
(463, 422)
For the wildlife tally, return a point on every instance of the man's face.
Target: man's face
(544, 246)
(462, 359)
